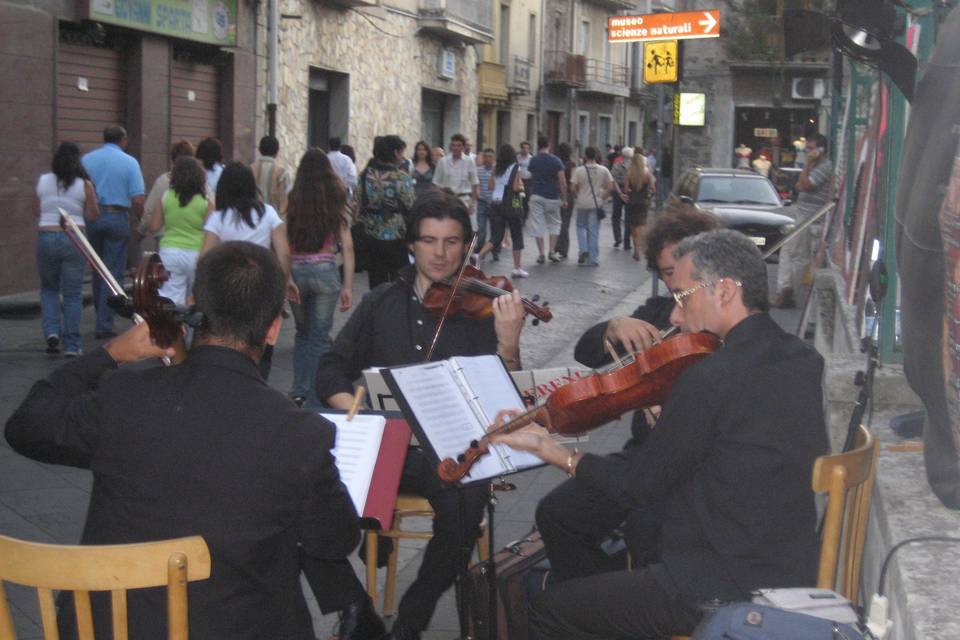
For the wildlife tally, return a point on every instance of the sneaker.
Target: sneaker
(616, 244)
(541, 259)
(583, 258)
(554, 257)
(72, 353)
(53, 344)
(520, 273)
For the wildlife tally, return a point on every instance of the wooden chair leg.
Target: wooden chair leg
(483, 546)
(371, 551)
(390, 589)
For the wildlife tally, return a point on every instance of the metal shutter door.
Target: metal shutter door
(194, 101)
(91, 93)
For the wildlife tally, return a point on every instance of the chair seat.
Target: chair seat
(408, 505)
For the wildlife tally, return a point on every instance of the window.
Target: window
(604, 125)
(532, 40)
(531, 127)
(585, 38)
(632, 134)
(583, 130)
(504, 34)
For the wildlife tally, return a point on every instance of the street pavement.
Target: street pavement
(48, 503)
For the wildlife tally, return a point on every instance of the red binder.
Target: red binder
(382, 496)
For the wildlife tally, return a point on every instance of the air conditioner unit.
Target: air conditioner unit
(807, 88)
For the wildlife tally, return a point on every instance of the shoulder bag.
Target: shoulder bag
(511, 207)
(601, 213)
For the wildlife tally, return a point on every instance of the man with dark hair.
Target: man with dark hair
(273, 179)
(391, 327)
(548, 188)
(458, 172)
(117, 178)
(727, 467)
(201, 448)
(342, 165)
(815, 186)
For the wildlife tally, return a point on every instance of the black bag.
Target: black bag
(516, 574)
(601, 212)
(511, 207)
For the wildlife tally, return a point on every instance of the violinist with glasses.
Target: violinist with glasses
(391, 327)
(725, 472)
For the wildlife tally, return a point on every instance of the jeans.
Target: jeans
(108, 236)
(588, 228)
(319, 285)
(61, 267)
(483, 216)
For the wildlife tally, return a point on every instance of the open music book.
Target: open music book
(369, 452)
(450, 403)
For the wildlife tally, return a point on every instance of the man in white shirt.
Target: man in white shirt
(342, 164)
(459, 174)
(468, 150)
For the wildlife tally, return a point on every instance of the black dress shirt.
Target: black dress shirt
(729, 464)
(390, 328)
(203, 448)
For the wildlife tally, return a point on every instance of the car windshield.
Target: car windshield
(737, 190)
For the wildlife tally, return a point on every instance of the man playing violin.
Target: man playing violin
(727, 467)
(203, 448)
(391, 327)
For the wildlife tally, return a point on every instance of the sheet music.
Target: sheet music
(356, 449)
(487, 374)
(446, 417)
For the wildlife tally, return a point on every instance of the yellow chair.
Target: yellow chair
(408, 506)
(114, 568)
(847, 479)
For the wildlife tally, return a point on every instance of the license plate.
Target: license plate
(758, 240)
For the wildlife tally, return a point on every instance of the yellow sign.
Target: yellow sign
(660, 63)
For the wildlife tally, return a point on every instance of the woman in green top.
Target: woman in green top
(183, 208)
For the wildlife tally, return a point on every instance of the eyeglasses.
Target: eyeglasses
(680, 295)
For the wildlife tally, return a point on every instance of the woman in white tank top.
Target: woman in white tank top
(59, 263)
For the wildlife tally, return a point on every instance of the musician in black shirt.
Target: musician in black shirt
(727, 466)
(391, 327)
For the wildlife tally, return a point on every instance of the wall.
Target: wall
(388, 63)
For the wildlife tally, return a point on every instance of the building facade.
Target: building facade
(70, 69)
(360, 69)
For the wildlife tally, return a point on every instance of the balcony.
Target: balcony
(564, 69)
(350, 4)
(606, 78)
(518, 76)
(466, 21)
(492, 79)
(759, 45)
(617, 5)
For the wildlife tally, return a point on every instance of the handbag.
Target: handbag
(511, 207)
(601, 212)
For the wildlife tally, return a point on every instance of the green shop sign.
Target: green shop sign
(212, 21)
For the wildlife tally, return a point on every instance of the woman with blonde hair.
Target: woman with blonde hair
(640, 187)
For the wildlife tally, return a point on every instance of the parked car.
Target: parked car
(743, 200)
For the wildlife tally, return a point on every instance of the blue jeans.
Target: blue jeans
(319, 285)
(108, 236)
(483, 217)
(61, 266)
(588, 228)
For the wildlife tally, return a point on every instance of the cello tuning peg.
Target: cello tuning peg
(545, 304)
(461, 458)
(535, 322)
(535, 298)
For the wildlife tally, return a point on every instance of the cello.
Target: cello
(146, 305)
(640, 380)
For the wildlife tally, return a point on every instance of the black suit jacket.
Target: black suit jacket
(729, 465)
(204, 448)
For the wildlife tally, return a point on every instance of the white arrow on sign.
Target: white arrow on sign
(709, 23)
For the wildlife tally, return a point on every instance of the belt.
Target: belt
(114, 207)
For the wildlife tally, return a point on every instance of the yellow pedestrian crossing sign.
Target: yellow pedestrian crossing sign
(660, 62)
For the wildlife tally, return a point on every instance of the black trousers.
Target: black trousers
(335, 584)
(563, 239)
(384, 259)
(638, 604)
(616, 219)
(575, 520)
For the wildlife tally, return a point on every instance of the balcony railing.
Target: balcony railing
(564, 68)
(607, 73)
(468, 21)
(518, 76)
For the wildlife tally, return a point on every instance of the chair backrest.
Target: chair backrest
(847, 479)
(114, 568)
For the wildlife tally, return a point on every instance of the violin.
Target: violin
(474, 297)
(640, 380)
(146, 305)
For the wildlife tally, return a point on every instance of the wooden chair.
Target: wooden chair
(114, 568)
(847, 479)
(408, 505)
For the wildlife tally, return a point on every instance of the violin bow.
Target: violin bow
(453, 292)
(83, 246)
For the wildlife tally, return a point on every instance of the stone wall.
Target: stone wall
(388, 63)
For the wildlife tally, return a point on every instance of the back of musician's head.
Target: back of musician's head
(673, 227)
(240, 289)
(439, 204)
(725, 253)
